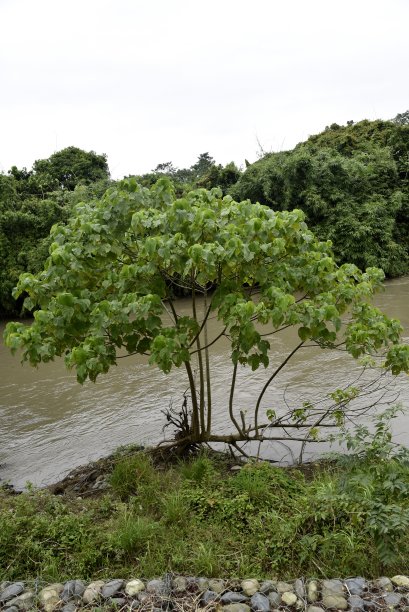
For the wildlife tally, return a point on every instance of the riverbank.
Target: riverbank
(134, 514)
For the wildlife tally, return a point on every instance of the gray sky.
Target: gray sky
(164, 80)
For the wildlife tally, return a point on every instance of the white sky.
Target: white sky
(163, 80)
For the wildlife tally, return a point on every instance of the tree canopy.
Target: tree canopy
(352, 184)
(109, 286)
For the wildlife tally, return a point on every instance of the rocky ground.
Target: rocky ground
(185, 594)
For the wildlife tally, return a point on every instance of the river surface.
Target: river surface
(50, 424)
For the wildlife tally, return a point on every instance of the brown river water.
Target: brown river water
(50, 424)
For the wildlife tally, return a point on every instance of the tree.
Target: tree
(353, 191)
(70, 167)
(109, 286)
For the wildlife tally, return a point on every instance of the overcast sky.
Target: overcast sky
(150, 81)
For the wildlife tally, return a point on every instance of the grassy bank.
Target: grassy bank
(201, 517)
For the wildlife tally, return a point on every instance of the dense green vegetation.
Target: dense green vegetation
(31, 202)
(352, 183)
(346, 517)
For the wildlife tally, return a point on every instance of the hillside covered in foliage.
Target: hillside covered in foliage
(352, 183)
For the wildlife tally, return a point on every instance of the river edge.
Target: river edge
(90, 491)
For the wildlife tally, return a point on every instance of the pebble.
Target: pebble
(233, 597)
(73, 589)
(275, 599)
(11, 609)
(111, 588)
(24, 601)
(356, 603)
(400, 581)
(202, 584)
(250, 586)
(50, 596)
(69, 607)
(209, 597)
(267, 586)
(392, 599)
(284, 587)
(158, 587)
(384, 584)
(216, 585)
(314, 609)
(118, 602)
(356, 586)
(93, 591)
(179, 583)
(336, 602)
(133, 587)
(12, 590)
(289, 598)
(260, 603)
(312, 591)
(299, 588)
(332, 588)
(236, 607)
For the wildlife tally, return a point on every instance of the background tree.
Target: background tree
(352, 184)
(31, 201)
(109, 286)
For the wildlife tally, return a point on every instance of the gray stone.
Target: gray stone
(12, 590)
(356, 586)
(216, 585)
(143, 597)
(208, 597)
(260, 603)
(92, 592)
(356, 603)
(133, 587)
(179, 583)
(275, 599)
(312, 591)
(299, 588)
(233, 597)
(384, 584)
(111, 588)
(69, 607)
(158, 587)
(284, 587)
(250, 586)
(289, 598)
(267, 587)
(236, 607)
(10, 609)
(332, 588)
(336, 602)
(118, 602)
(73, 589)
(392, 599)
(24, 601)
(202, 584)
(400, 581)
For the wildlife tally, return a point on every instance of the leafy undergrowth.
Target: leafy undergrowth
(347, 517)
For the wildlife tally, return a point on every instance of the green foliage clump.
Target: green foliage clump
(352, 184)
(32, 201)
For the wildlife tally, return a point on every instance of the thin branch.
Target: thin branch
(270, 380)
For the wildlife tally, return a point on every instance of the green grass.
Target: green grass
(199, 518)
